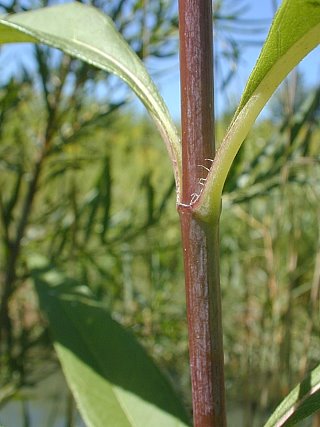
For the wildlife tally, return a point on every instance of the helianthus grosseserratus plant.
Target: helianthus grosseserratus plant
(88, 342)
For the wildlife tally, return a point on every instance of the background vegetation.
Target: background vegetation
(87, 183)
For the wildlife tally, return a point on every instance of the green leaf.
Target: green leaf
(295, 31)
(86, 33)
(113, 380)
(303, 401)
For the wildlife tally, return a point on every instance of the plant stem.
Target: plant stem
(200, 239)
(201, 261)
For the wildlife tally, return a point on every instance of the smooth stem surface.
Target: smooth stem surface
(196, 70)
(200, 239)
(201, 262)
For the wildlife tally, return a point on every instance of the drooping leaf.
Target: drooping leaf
(295, 31)
(113, 380)
(86, 33)
(303, 401)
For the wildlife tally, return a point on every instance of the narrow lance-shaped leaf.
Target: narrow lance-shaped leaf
(303, 401)
(86, 33)
(295, 31)
(113, 380)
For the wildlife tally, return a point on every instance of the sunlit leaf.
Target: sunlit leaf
(294, 33)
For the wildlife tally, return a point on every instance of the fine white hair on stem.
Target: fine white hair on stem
(204, 167)
(194, 198)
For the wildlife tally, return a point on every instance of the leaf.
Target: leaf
(86, 33)
(295, 31)
(109, 373)
(303, 401)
